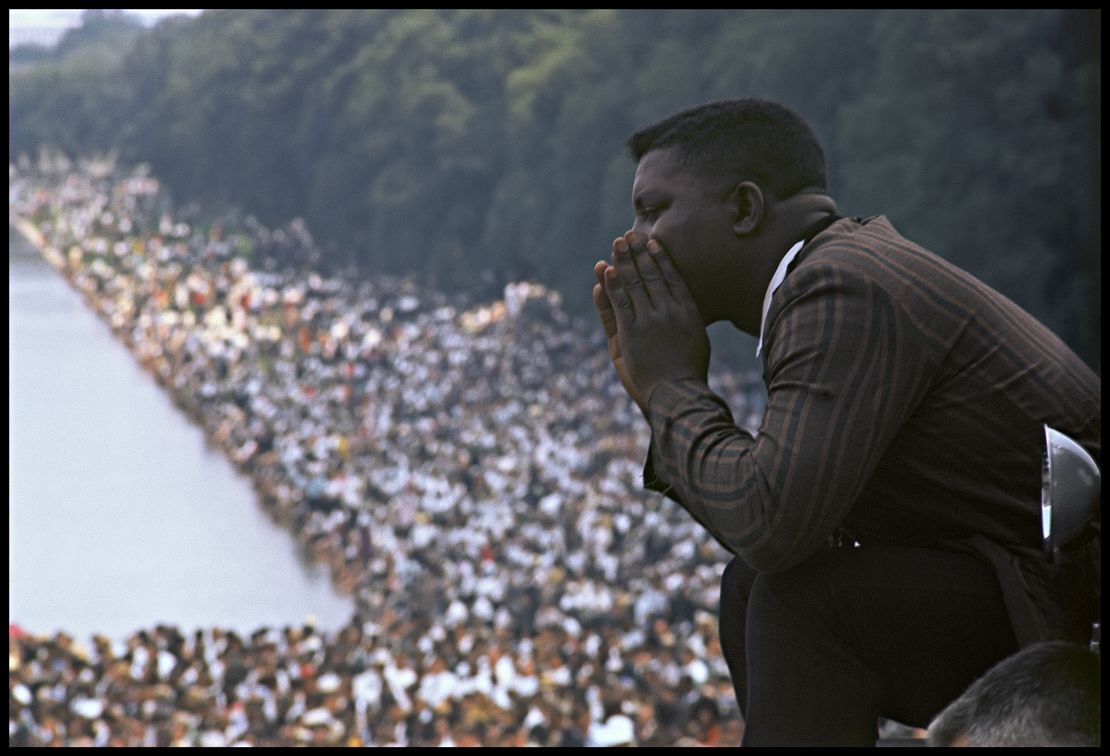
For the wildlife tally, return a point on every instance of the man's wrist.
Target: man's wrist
(671, 387)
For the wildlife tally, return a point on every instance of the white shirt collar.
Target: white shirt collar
(776, 281)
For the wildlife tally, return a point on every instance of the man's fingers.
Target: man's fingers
(675, 282)
(608, 321)
(601, 299)
(622, 307)
(655, 286)
(605, 309)
(599, 272)
(624, 250)
(649, 271)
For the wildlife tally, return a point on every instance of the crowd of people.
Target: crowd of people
(469, 470)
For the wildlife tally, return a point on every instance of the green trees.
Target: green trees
(473, 147)
(71, 98)
(977, 135)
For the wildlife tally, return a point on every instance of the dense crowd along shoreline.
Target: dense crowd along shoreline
(469, 472)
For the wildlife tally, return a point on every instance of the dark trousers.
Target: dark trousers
(819, 652)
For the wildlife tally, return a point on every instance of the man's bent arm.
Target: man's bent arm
(843, 376)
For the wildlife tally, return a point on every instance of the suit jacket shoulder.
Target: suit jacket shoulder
(963, 465)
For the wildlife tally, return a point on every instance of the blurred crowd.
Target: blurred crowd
(470, 471)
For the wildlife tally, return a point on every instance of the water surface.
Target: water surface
(120, 516)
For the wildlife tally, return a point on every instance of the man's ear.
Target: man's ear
(748, 206)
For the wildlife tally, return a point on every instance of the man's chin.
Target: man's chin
(703, 304)
(709, 314)
(749, 327)
(716, 310)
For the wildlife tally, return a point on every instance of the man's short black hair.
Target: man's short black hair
(740, 140)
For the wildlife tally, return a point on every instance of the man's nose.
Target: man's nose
(642, 228)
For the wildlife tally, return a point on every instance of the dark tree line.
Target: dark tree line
(472, 147)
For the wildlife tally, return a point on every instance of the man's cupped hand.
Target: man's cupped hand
(654, 329)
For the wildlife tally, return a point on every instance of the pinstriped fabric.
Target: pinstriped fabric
(905, 404)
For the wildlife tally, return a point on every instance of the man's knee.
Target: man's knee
(809, 586)
(802, 590)
(736, 586)
(736, 583)
(825, 596)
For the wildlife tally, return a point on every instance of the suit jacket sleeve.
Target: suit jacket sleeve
(842, 373)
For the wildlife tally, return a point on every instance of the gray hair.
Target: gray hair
(1048, 694)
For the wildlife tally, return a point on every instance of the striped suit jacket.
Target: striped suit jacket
(905, 406)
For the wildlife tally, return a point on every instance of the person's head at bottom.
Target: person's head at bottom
(1046, 695)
